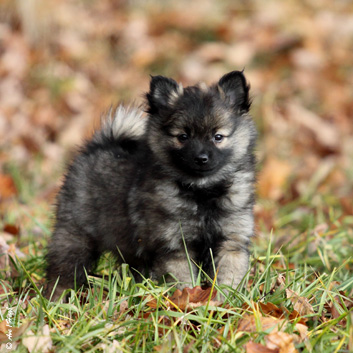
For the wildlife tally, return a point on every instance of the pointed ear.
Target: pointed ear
(234, 89)
(163, 92)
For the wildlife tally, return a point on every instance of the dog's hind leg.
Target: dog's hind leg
(68, 258)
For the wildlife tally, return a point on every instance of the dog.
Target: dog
(168, 192)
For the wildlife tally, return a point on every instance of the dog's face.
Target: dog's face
(199, 132)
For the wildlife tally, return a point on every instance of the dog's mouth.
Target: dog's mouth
(203, 171)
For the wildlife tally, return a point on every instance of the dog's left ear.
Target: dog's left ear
(163, 92)
(234, 90)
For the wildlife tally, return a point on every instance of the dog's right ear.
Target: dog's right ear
(163, 93)
(234, 89)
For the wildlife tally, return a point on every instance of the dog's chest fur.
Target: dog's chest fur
(211, 210)
(197, 214)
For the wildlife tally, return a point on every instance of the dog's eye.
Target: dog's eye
(218, 137)
(183, 137)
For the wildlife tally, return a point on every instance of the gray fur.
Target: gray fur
(143, 181)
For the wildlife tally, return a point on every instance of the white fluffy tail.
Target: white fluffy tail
(124, 122)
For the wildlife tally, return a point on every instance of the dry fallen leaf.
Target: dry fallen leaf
(123, 306)
(195, 295)
(282, 341)
(249, 323)
(273, 310)
(300, 304)
(273, 324)
(40, 342)
(189, 299)
(12, 229)
(277, 312)
(7, 331)
(273, 178)
(7, 187)
(252, 347)
(303, 331)
(5, 287)
(339, 302)
(64, 325)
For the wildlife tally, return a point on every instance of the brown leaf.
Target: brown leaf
(273, 310)
(123, 306)
(5, 287)
(300, 304)
(181, 298)
(12, 229)
(282, 341)
(7, 331)
(188, 347)
(248, 323)
(211, 303)
(188, 299)
(272, 178)
(197, 294)
(40, 342)
(64, 325)
(152, 303)
(192, 297)
(279, 313)
(347, 204)
(7, 187)
(303, 331)
(252, 347)
(331, 306)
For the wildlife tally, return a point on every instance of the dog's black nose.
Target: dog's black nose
(201, 159)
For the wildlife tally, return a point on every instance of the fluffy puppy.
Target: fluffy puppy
(144, 186)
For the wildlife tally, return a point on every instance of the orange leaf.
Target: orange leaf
(12, 229)
(279, 313)
(188, 298)
(180, 298)
(7, 187)
(248, 323)
(282, 341)
(272, 178)
(252, 347)
(7, 331)
(197, 294)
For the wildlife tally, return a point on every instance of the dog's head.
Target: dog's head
(200, 133)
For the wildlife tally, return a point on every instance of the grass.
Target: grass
(307, 253)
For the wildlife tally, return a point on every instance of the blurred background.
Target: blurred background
(63, 63)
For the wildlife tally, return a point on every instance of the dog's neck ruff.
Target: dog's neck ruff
(205, 192)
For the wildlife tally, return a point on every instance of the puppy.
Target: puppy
(155, 189)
